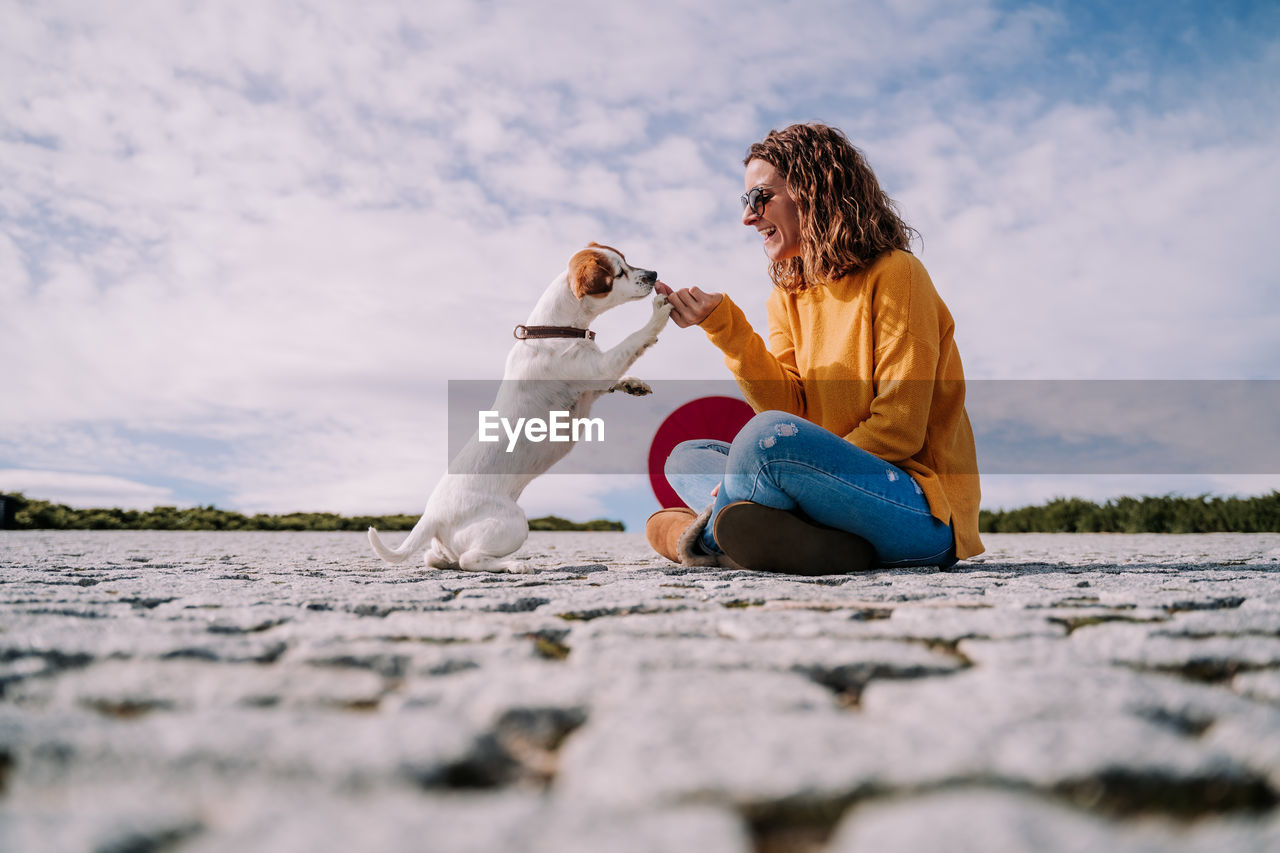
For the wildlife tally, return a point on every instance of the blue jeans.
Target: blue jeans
(785, 462)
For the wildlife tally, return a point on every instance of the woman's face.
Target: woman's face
(779, 223)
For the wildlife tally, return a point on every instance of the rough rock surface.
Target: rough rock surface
(290, 692)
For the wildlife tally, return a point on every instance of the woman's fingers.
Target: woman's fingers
(683, 311)
(690, 306)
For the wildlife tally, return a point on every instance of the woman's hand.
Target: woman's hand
(689, 306)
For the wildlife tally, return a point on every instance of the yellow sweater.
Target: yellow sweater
(870, 357)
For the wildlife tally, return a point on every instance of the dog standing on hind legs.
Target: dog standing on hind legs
(472, 520)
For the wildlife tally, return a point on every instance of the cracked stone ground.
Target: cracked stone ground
(289, 692)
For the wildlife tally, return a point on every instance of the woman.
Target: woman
(861, 454)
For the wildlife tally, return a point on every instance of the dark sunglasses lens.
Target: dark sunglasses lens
(754, 199)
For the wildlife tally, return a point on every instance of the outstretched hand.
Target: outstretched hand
(689, 306)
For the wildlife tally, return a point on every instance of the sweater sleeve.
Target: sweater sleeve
(767, 376)
(907, 340)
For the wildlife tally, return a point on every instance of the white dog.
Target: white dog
(472, 520)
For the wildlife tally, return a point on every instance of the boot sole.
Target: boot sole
(765, 539)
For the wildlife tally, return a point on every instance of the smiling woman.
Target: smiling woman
(862, 453)
(827, 214)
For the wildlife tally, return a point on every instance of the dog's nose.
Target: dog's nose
(647, 276)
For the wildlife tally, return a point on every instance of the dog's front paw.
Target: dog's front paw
(661, 306)
(631, 385)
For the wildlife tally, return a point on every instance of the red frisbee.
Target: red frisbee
(706, 417)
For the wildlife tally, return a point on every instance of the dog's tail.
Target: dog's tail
(420, 535)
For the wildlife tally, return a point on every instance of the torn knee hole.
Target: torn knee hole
(783, 430)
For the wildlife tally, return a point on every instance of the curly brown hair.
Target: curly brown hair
(846, 219)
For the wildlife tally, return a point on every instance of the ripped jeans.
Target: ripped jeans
(783, 461)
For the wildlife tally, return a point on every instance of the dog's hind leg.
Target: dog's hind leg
(483, 544)
(476, 560)
(437, 558)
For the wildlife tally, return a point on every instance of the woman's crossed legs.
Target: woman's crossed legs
(785, 462)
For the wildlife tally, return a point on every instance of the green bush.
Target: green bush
(1147, 514)
(32, 514)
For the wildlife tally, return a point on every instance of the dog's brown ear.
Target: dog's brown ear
(590, 274)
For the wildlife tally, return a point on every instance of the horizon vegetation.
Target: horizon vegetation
(34, 514)
(1146, 514)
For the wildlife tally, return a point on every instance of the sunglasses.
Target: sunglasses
(756, 198)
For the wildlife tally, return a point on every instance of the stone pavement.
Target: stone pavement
(289, 692)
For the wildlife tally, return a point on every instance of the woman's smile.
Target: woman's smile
(778, 219)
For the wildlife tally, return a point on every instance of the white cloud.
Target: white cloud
(1092, 245)
(84, 491)
(13, 274)
(577, 497)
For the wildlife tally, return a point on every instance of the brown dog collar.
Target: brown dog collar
(520, 333)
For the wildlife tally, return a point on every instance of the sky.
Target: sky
(246, 247)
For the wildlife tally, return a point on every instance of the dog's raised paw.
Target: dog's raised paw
(632, 386)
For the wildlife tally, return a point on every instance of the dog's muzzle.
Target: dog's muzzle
(647, 277)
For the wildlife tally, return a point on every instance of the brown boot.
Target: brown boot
(665, 527)
(773, 540)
